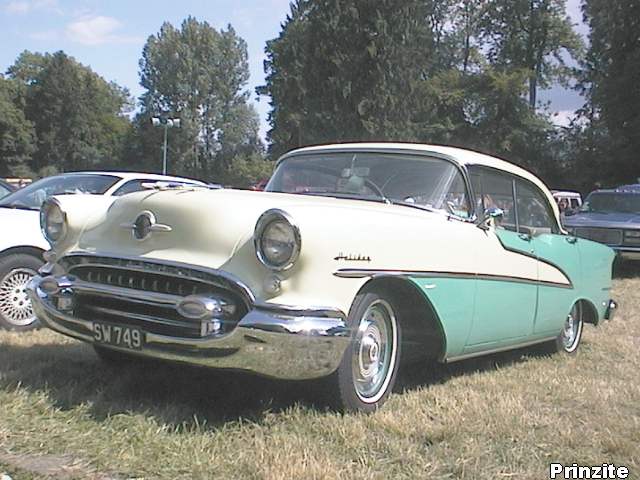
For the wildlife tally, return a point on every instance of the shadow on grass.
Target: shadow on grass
(179, 395)
(71, 375)
(418, 375)
(626, 269)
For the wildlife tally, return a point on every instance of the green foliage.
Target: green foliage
(533, 35)
(197, 73)
(455, 72)
(607, 141)
(76, 116)
(17, 135)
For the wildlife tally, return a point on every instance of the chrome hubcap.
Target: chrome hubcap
(374, 351)
(571, 328)
(15, 306)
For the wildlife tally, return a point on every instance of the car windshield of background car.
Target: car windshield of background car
(32, 197)
(612, 203)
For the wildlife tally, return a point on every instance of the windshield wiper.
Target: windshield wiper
(415, 205)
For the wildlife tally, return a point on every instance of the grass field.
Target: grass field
(63, 415)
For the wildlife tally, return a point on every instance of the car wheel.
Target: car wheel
(16, 271)
(367, 374)
(569, 339)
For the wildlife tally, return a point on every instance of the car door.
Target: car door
(558, 257)
(507, 268)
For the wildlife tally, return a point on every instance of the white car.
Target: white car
(22, 243)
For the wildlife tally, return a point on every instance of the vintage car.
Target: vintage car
(22, 243)
(611, 217)
(356, 259)
(567, 200)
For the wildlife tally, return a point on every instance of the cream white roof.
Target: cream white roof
(459, 155)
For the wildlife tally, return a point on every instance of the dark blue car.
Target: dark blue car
(611, 217)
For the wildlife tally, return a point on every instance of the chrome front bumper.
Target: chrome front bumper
(270, 340)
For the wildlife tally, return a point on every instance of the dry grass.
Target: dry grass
(507, 415)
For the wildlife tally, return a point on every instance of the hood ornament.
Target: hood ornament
(144, 225)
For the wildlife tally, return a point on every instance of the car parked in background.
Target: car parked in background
(5, 189)
(567, 200)
(611, 217)
(356, 259)
(22, 243)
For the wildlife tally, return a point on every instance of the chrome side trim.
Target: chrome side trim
(373, 273)
(497, 350)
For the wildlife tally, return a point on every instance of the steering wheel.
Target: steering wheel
(372, 186)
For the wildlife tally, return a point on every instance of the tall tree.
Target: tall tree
(78, 117)
(198, 74)
(17, 135)
(350, 70)
(611, 82)
(534, 35)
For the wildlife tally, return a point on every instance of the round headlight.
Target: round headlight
(277, 240)
(53, 221)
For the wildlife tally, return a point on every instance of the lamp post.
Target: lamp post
(167, 123)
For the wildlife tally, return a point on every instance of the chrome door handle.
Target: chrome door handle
(572, 240)
(524, 236)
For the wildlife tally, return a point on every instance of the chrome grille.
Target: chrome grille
(603, 235)
(145, 294)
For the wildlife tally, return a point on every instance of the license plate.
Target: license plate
(118, 335)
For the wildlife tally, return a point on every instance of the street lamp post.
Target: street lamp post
(167, 123)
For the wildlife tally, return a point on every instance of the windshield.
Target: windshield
(612, 203)
(32, 196)
(427, 182)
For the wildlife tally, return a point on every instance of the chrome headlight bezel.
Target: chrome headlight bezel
(268, 220)
(49, 207)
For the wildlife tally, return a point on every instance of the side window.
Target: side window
(130, 187)
(534, 211)
(494, 189)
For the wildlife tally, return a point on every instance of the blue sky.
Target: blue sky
(108, 36)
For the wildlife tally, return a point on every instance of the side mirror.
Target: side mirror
(492, 216)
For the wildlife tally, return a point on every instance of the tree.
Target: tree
(350, 70)
(610, 133)
(17, 135)
(198, 74)
(534, 35)
(78, 117)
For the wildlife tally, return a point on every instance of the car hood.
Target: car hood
(603, 220)
(212, 225)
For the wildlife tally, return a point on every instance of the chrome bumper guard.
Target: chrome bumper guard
(270, 340)
(609, 313)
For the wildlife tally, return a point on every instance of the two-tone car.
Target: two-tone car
(611, 217)
(356, 259)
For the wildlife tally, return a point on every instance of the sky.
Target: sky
(108, 36)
